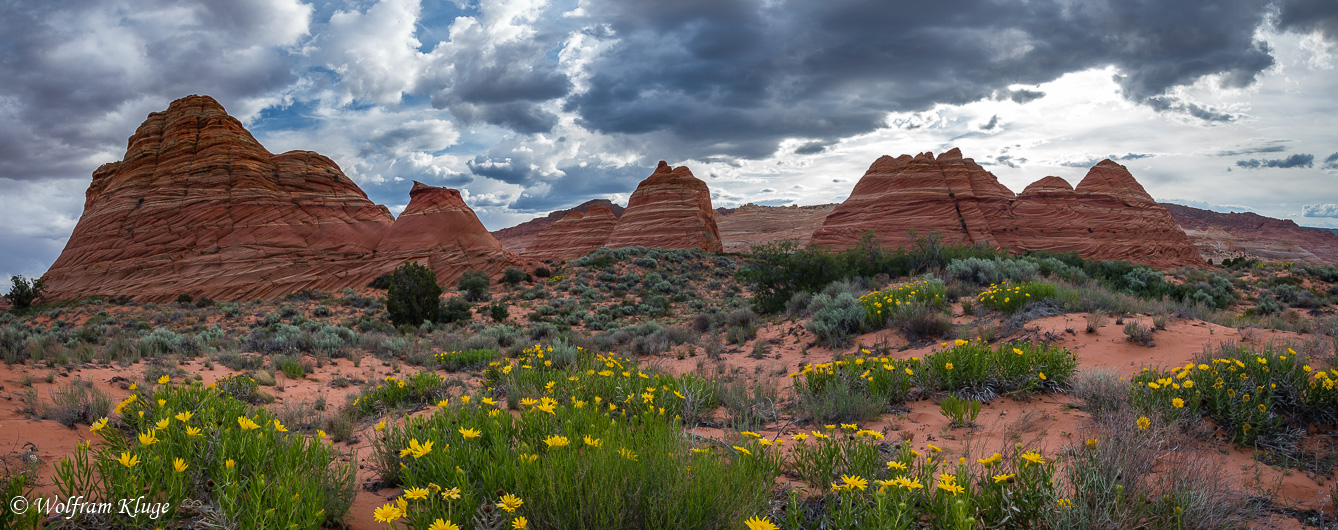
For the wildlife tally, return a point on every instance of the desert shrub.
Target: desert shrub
(413, 296)
(984, 272)
(165, 341)
(973, 369)
(475, 283)
(853, 389)
(498, 312)
(392, 393)
(920, 320)
(1128, 476)
(1138, 333)
(1008, 298)
(160, 456)
(454, 310)
(77, 402)
(23, 292)
(513, 276)
(1100, 392)
(1258, 396)
(836, 321)
(466, 359)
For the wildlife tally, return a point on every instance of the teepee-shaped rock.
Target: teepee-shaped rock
(439, 230)
(670, 209)
(197, 206)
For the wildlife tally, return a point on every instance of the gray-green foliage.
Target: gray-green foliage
(993, 271)
(835, 320)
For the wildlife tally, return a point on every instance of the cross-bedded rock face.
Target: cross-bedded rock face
(670, 209)
(573, 236)
(438, 229)
(198, 206)
(1108, 215)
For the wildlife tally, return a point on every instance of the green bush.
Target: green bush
(414, 295)
(23, 292)
(467, 359)
(1008, 298)
(454, 310)
(836, 321)
(1257, 396)
(513, 276)
(973, 369)
(195, 443)
(475, 283)
(499, 312)
(859, 388)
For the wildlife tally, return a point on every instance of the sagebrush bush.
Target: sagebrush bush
(413, 296)
(836, 321)
(984, 272)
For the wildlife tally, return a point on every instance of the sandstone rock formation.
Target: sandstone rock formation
(518, 238)
(573, 236)
(1219, 236)
(749, 225)
(439, 230)
(199, 207)
(1107, 216)
(920, 193)
(670, 209)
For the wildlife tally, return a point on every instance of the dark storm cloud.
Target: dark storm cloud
(994, 121)
(1331, 161)
(580, 184)
(812, 148)
(1309, 16)
(79, 75)
(1298, 160)
(1276, 146)
(737, 78)
(1021, 96)
(502, 83)
(505, 169)
(1087, 163)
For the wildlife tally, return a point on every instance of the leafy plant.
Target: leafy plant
(413, 296)
(23, 292)
(475, 285)
(962, 412)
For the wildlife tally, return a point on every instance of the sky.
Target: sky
(529, 106)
